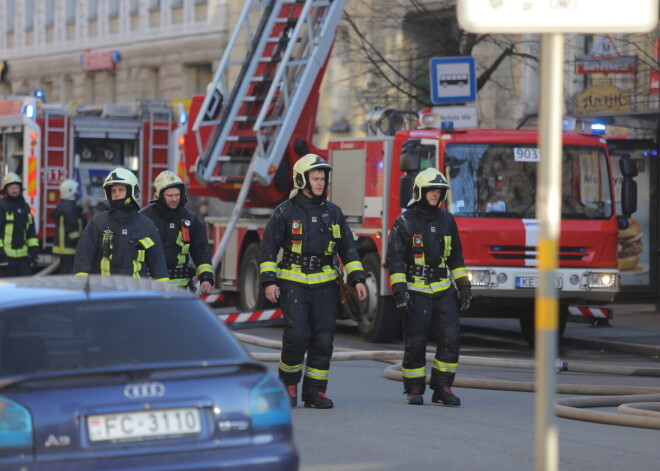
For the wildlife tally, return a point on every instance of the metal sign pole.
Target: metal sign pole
(548, 204)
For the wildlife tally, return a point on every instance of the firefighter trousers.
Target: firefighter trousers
(17, 266)
(309, 327)
(435, 319)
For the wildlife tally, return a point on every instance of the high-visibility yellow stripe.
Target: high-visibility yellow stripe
(290, 368)
(413, 373)
(316, 374)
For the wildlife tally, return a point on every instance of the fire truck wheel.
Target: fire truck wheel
(380, 322)
(251, 295)
(527, 325)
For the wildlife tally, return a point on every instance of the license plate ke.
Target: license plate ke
(143, 425)
(531, 282)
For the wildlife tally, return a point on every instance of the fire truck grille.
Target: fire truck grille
(521, 252)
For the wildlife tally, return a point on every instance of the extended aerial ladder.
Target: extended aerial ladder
(272, 82)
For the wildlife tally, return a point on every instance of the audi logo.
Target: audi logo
(144, 390)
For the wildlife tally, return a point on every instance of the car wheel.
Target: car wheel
(380, 322)
(251, 295)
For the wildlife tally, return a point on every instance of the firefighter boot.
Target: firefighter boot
(445, 397)
(318, 400)
(292, 391)
(415, 397)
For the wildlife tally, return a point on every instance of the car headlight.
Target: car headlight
(602, 280)
(479, 278)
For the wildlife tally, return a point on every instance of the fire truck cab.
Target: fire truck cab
(46, 143)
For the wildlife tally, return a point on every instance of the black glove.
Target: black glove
(403, 303)
(3, 258)
(33, 254)
(465, 298)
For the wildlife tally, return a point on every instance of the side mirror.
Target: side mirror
(406, 189)
(628, 185)
(627, 166)
(410, 161)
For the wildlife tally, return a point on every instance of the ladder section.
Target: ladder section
(272, 81)
(157, 116)
(56, 167)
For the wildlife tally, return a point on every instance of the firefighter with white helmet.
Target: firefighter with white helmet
(312, 232)
(121, 241)
(424, 255)
(182, 233)
(18, 238)
(69, 223)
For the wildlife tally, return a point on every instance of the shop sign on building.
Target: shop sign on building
(654, 78)
(99, 60)
(604, 58)
(603, 99)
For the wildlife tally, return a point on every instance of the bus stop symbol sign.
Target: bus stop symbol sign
(453, 80)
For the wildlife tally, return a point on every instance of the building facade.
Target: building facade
(109, 51)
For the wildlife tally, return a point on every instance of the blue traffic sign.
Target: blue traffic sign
(453, 80)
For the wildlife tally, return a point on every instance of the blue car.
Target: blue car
(116, 373)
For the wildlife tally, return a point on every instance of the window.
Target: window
(97, 335)
(499, 180)
(113, 8)
(134, 7)
(11, 13)
(29, 15)
(50, 13)
(70, 12)
(92, 10)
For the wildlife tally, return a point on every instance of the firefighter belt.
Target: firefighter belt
(308, 263)
(181, 273)
(427, 272)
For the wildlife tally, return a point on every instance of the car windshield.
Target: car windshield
(499, 180)
(72, 336)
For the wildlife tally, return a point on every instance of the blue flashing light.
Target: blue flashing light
(183, 118)
(598, 128)
(40, 94)
(447, 126)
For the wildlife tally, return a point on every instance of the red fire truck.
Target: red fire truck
(245, 147)
(47, 143)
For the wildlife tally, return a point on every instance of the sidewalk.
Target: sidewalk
(634, 328)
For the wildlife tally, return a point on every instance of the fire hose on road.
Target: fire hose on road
(637, 406)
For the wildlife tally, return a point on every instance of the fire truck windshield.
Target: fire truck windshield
(499, 181)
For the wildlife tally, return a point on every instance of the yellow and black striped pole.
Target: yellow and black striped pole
(548, 207)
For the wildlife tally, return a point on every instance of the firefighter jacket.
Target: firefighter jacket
(424, 251)
(69, 222)
(17, 232)
(184, 237)
(120, 242)
(311, 232)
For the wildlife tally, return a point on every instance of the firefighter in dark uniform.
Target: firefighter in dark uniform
(18, 238)
(182, 233)
(312, 232)
(424, 255)
(121, 241)
(69, 224)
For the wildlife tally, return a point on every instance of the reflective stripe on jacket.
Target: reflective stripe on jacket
(421, 237)
(313, 227)
(17, 230)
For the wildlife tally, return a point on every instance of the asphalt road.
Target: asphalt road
(373, 428)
